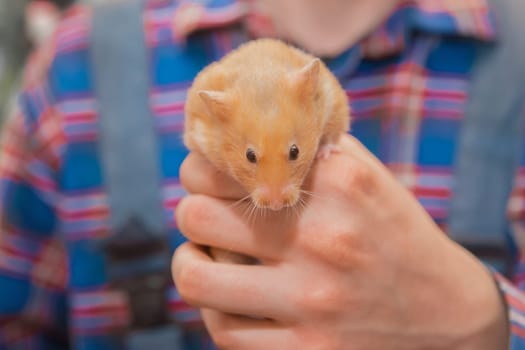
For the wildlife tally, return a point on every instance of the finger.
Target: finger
(213, 222)
(355, 165)
(240, 332)
(230, 288)
(350, 144)
(197, 175)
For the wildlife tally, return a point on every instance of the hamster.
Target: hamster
(263, 114)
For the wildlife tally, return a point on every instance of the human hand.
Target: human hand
(362, 266)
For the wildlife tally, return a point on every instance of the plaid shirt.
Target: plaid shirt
(407, 85)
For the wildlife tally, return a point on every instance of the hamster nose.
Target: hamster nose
(275, 198)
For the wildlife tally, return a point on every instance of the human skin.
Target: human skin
(326, 28)
(360, 266)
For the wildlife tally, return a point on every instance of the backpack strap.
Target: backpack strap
(127, 135)
(137, 253)
(490, 141)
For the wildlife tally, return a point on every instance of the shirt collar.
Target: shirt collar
(473, 19)
(470, 19)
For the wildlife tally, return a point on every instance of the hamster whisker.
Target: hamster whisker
(309, 193)
(296, 208)
(239, 202)
(252, 217)
(264, 212)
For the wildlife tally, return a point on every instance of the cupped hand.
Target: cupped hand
(360, 265)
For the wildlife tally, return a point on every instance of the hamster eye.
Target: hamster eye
(250, 155)
(294, 152)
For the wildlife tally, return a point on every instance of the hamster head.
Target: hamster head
(270, 132)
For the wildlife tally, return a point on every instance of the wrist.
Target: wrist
(492, 332)
(457, 303)
(476, 316)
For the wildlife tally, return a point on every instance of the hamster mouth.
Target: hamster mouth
(275, 197)
(275, 204)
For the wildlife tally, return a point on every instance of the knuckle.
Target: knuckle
(345, 250)
(197, 211)
(176, 262)
(192, 214)
(321, 300)
(356, 178)
(180, 215)
(345, 244)
(355, 174)
(343, 240)
(185, 172)
(193, 172)
(342, 249)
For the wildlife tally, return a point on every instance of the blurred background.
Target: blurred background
(24, 24)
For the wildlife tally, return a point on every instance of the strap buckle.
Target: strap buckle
(139, 264)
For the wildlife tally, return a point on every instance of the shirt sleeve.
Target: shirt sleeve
(32, 259)
(514, 299)
(513, 287)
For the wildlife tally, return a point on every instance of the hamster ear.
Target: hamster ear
(216, 103)
(306, 79)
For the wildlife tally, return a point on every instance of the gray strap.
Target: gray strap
(128, 146)
(165, 338)
(490, 141)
